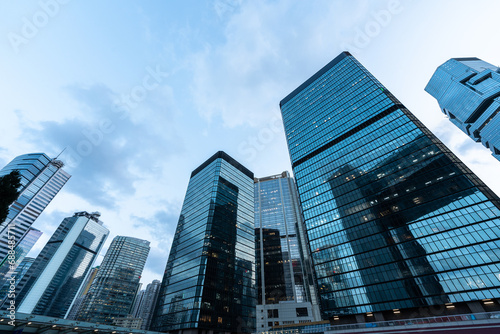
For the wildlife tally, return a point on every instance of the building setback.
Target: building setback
(41, 179)
(394, 219)
(53, 280)
(112, 293)
(285, 284)
(209, 280)
(468, 92)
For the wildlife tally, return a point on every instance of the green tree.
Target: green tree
(9, 185)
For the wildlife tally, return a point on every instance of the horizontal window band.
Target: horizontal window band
(348, 134)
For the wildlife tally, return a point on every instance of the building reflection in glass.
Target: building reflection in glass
(394, 219)
(209, 280)
(53, 280)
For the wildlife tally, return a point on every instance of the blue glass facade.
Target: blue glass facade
(468, 92)
(394, 219)
(20, 251)
(148, 303)
(18, 274)
(115, 285)
(41, 180)
(209, 281)
(284, 273)
(53, 280)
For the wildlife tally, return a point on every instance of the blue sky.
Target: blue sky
(141, 93)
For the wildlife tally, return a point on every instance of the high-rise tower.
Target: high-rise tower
(468, 92)
(285, 284)
(394, 219)
(84, 289)
(115, 285)
(53, 280)
(209, 281)
(149, 297)
(41, 180)
(8, 266)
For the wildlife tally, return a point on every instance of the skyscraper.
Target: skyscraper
(113, 290)
(136, 307)
(41, 180)
(84, 289)
(285, 284)
(21, 249)
(148, 303)
(53, 280)
(394, 219)
(18, 274)
(468, 92)
(209, 280)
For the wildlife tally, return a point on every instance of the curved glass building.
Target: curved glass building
(468, 92)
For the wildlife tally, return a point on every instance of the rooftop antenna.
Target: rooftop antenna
(61, 152)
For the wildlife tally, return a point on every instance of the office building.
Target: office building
(394, 219)
(80, 296)
(148, 300)
(53, 280)
(9, 266)
(468, 92)
(209, 280)
(128, 322)
(285, 284)
(136, 307)
(18, 274)
(112, 293)
(41, 180)
(21, 249)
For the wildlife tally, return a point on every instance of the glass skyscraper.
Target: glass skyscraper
(394, 219)
(113, 290)
(41, 180)
(285, 284)
(148, 300)
(18, 274)
(21, 249)
(468, 92)
(209, 280)
(53, 280)
(84, 289)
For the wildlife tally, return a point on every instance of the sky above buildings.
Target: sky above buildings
(141, 93)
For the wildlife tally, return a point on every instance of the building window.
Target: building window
(270, 324)
(273, 313)
(302, 312)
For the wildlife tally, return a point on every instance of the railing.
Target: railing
(392, 323)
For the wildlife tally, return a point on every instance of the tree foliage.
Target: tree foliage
(9, 185)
